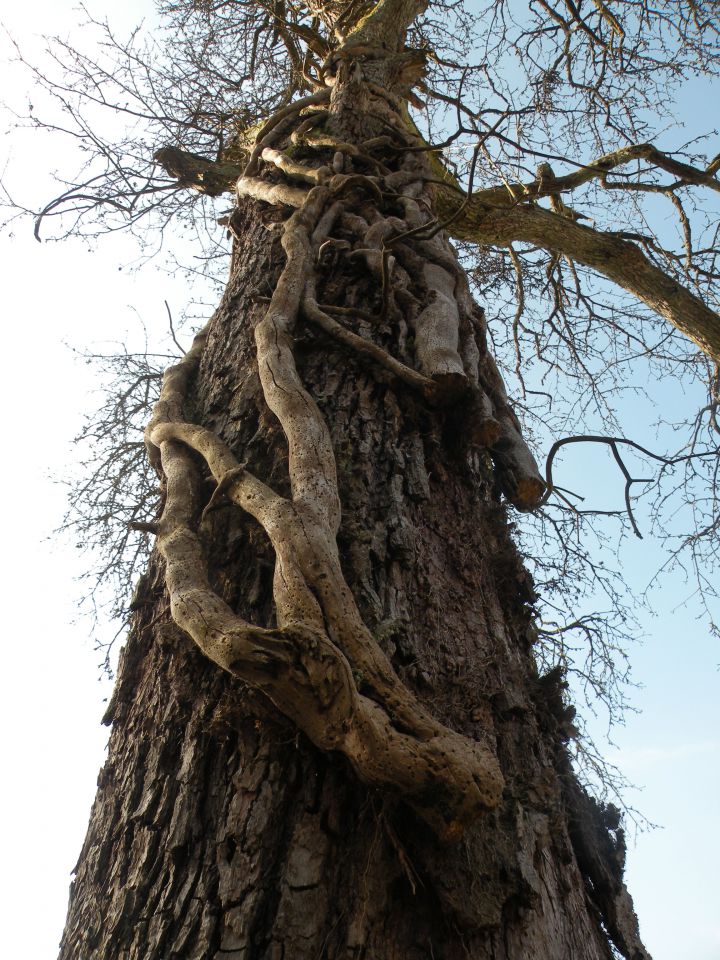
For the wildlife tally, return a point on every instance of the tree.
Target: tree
(330, 735)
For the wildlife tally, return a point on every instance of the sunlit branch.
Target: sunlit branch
(617, 259)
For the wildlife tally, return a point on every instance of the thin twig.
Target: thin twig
(172, 329)
(612, 442)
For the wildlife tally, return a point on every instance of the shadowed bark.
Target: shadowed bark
(219, 830)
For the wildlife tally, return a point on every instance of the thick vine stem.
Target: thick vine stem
(312, 467)
(172, 394)
(247, 491)
(272, 128)
(449, 779)
(485, 429)
(437, 334)
(308, 570)
(297, 171)
(270, 192)
(313, 477)
(517, 468)
(317, 139)
(358, 344)
(437, 327)
(308, 665)
(304, 128)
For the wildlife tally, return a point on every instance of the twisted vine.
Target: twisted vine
(321, 666)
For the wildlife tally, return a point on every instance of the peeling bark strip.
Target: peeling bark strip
(311, 461)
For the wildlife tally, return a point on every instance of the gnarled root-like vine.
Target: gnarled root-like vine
(449, 779)
(320, 665)
(398, 247)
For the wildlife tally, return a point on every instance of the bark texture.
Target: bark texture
(329, 736)
(220, 832)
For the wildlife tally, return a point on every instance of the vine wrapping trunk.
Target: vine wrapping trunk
(376, 770)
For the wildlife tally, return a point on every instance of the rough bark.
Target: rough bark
(329, 738)
(220, 832)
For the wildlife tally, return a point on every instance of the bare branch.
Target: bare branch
(617, 259)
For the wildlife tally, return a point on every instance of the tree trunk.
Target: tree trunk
(221, 832)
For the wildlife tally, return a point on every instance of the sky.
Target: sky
(52, 691)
